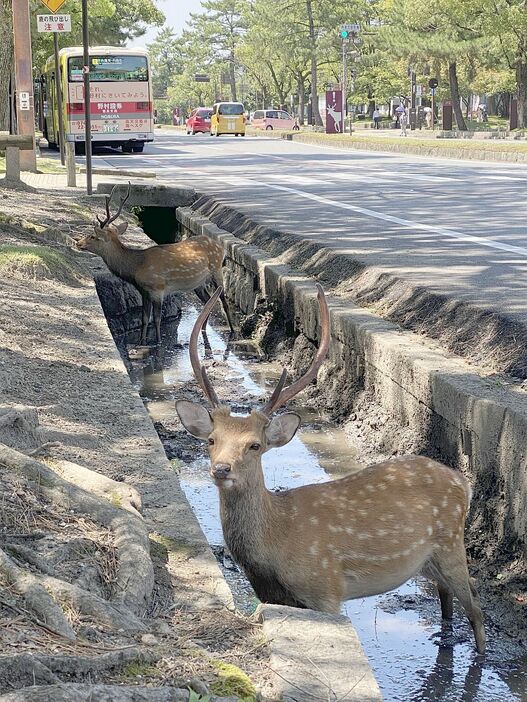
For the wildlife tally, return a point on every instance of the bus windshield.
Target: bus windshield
(109, 68)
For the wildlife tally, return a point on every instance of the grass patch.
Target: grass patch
(173, 546)
(233, 681)
(44, 165)
(133, 670)
(35, 263)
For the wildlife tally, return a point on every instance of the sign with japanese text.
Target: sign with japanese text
(24, 101)
(53, 5)
(54, 23)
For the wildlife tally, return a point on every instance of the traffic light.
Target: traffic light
(344, 34)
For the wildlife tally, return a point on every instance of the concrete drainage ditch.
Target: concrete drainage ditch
(428, 403)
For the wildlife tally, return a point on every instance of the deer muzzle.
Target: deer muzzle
(221, 471)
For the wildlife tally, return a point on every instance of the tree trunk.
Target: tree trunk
(315, 112)
(6, 61)
(232, 77)
(521, 86)
(301, 100)
(454, 94)
(277, 85)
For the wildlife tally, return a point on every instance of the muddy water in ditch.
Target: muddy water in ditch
(400, 631)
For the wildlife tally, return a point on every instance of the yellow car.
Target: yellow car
(227, 118)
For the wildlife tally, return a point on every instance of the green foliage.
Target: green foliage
(111, 22)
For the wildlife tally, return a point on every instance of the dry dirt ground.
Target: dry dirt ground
(97, 586)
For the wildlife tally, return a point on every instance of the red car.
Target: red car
(199, 120)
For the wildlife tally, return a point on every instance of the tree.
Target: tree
(166, 60)
(215, 35)
(6, 61)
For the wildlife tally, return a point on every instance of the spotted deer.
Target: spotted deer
(317, 545)
(158, 270)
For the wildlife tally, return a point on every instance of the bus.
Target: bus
(120, 95)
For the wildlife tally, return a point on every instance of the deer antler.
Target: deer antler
(199, 370)
(281, 396)
(108, 198)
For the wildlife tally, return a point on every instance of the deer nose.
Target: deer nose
(221, 470)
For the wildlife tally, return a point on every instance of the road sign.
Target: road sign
(54, 23)
(53, 5)
(24, 101)
(433, 83)
(349, 27)
(201, 78)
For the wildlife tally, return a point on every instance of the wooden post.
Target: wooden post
(24, 80)
(70, 164)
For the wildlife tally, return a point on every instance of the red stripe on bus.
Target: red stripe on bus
(109, 109)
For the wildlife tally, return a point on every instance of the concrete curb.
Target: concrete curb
(316, 657)
(121, 172)
(419, 150)
(142, 195)
(472, 423)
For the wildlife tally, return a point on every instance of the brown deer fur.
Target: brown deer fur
(317, 545)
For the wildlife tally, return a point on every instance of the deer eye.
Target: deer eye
(211, 441)
(255, 447)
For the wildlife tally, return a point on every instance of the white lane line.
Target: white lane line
(245, 182)
(480, 240)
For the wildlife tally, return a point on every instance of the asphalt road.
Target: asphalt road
(456, 227)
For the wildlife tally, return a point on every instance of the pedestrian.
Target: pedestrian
(376, 118)
(403, 122)
(428, 117)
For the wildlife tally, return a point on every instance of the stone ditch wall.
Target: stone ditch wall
(472, 423)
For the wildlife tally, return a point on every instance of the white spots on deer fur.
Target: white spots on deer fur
(439, 524)
(362, 512)
(324, 563)
(294, 511)
(382, 486)
(408, 530)
(360, 493)
(363, 536)
(444, 502)
(421, 542)
(370, 487)
(429, 531)
(381, 532)
(390, 477)
(313, 549)
(428, 479)
(349, 530)
(435, 511)
(400, 504)
(313, 520)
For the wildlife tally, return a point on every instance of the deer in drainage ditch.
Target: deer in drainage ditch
(317, 545)
(158, 270)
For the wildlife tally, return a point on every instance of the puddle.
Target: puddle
(400, 631)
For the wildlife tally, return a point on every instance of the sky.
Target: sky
(176, 12)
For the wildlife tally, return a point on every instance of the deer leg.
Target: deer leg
(447, 602)
(145, 318)
(226, 310)
(158, 306)
(204, 297)
(452, 565)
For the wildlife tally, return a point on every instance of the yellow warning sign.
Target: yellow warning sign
(53, 5)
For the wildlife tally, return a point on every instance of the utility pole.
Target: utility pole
(24, 81)
(344, 83)
(87, 101)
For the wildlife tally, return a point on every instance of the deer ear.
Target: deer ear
(195, 418)
(121, 228)
(281, 429)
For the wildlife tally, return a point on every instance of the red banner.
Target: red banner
(334, 122)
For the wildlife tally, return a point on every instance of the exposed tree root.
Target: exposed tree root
(135, 572)
(36, 597)
(117, 493)
(102, 693)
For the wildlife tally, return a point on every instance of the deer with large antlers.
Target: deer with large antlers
(158, 270)
(317, 545)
